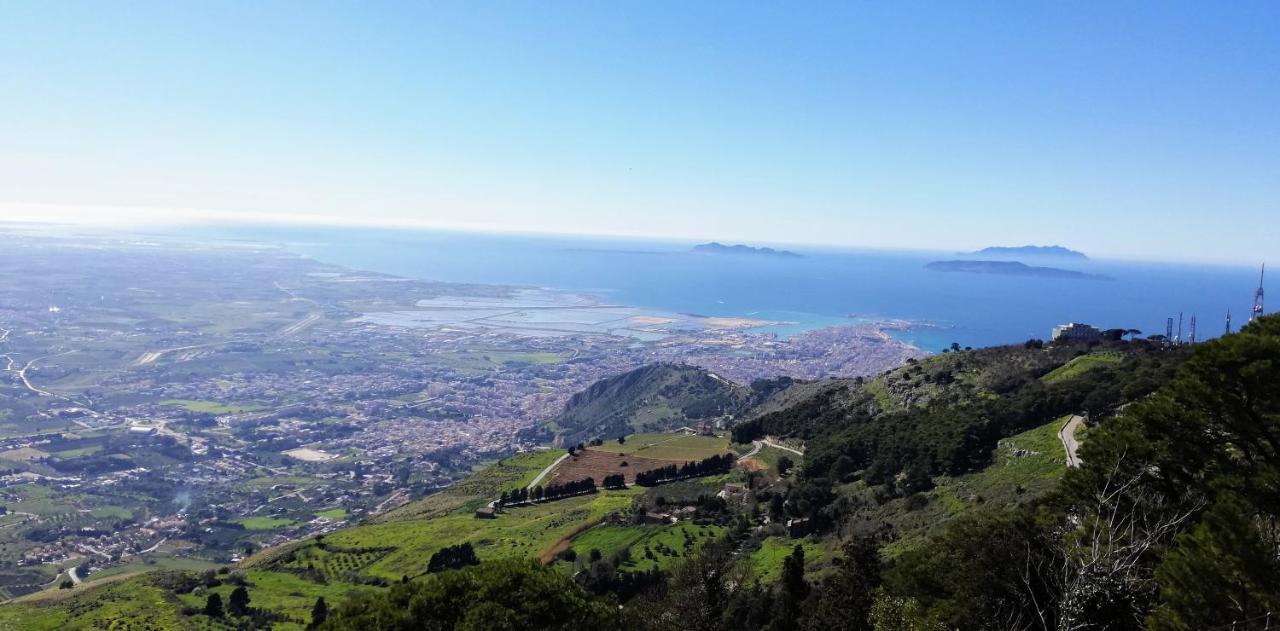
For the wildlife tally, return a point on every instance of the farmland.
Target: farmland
(595, 464)
(645, 547)
(673, 446)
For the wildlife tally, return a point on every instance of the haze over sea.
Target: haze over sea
(823, 289)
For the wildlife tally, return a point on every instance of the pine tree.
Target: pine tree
(319, 613)
(238, 605)
(213, 606)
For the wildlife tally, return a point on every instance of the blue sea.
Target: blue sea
(827, 287)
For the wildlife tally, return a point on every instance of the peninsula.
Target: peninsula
(1011, 268)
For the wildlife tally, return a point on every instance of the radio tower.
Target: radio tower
(1168, 332)
(1178, 340)
(1228, 332)
(1191, 338)
(1257, 297)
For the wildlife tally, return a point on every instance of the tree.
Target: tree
(502, 594)
(784, 465)
(213, 606)
(845, 599)
(238, 605)
(622, 440)
(319, 612)
(794, 590)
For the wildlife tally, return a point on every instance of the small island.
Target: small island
(720, 248)
(1032, 251)
(1011, 268)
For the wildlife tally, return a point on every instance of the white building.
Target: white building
(1076, 332)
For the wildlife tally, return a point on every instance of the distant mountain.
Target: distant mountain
(1012, 268)
(1032, 251)
(720, 248)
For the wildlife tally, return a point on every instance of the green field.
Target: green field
(487, 360)
(1080, 365)
(333, 513)
(766, 563)
(212, 407)
(679, 447)
(265, 523)
(528, 531)
(281, 592)
(646, 547)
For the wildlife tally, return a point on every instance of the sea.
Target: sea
(827, 287)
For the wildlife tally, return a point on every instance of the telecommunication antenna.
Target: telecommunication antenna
(1178, 340)
(1257, 296)
(1192, 333)
(1228, 331)
(1168, 332)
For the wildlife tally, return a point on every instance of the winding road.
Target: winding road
(1068, 437)
(757, 445)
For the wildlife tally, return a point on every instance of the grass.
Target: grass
(281, 592)
(766, 562)
(333, 513)
(212, 407)
(265, 523)
(126, 604)
(646, 547)
(877, 390)
(519, 532)
(677, 447)
(152, 562)
(482, 487)
(1080, 365)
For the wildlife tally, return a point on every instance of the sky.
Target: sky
(1137, 130)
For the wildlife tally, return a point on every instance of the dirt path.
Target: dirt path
(782, 447)
(544, 472)
(1068, 437)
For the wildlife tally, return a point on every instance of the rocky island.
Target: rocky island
(1031, 251)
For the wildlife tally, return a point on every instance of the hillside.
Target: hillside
(905, 465)
(657, 397)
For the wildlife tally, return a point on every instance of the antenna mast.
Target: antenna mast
(1228, 332)
(1192, 337)
(1257, 297)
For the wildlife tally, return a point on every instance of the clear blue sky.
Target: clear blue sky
(1140, 130)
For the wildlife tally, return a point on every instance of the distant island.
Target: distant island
(1032, 251)
(1011, 268)
(720, 248)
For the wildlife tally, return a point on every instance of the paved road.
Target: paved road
(1068, 437)
(75, 578)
